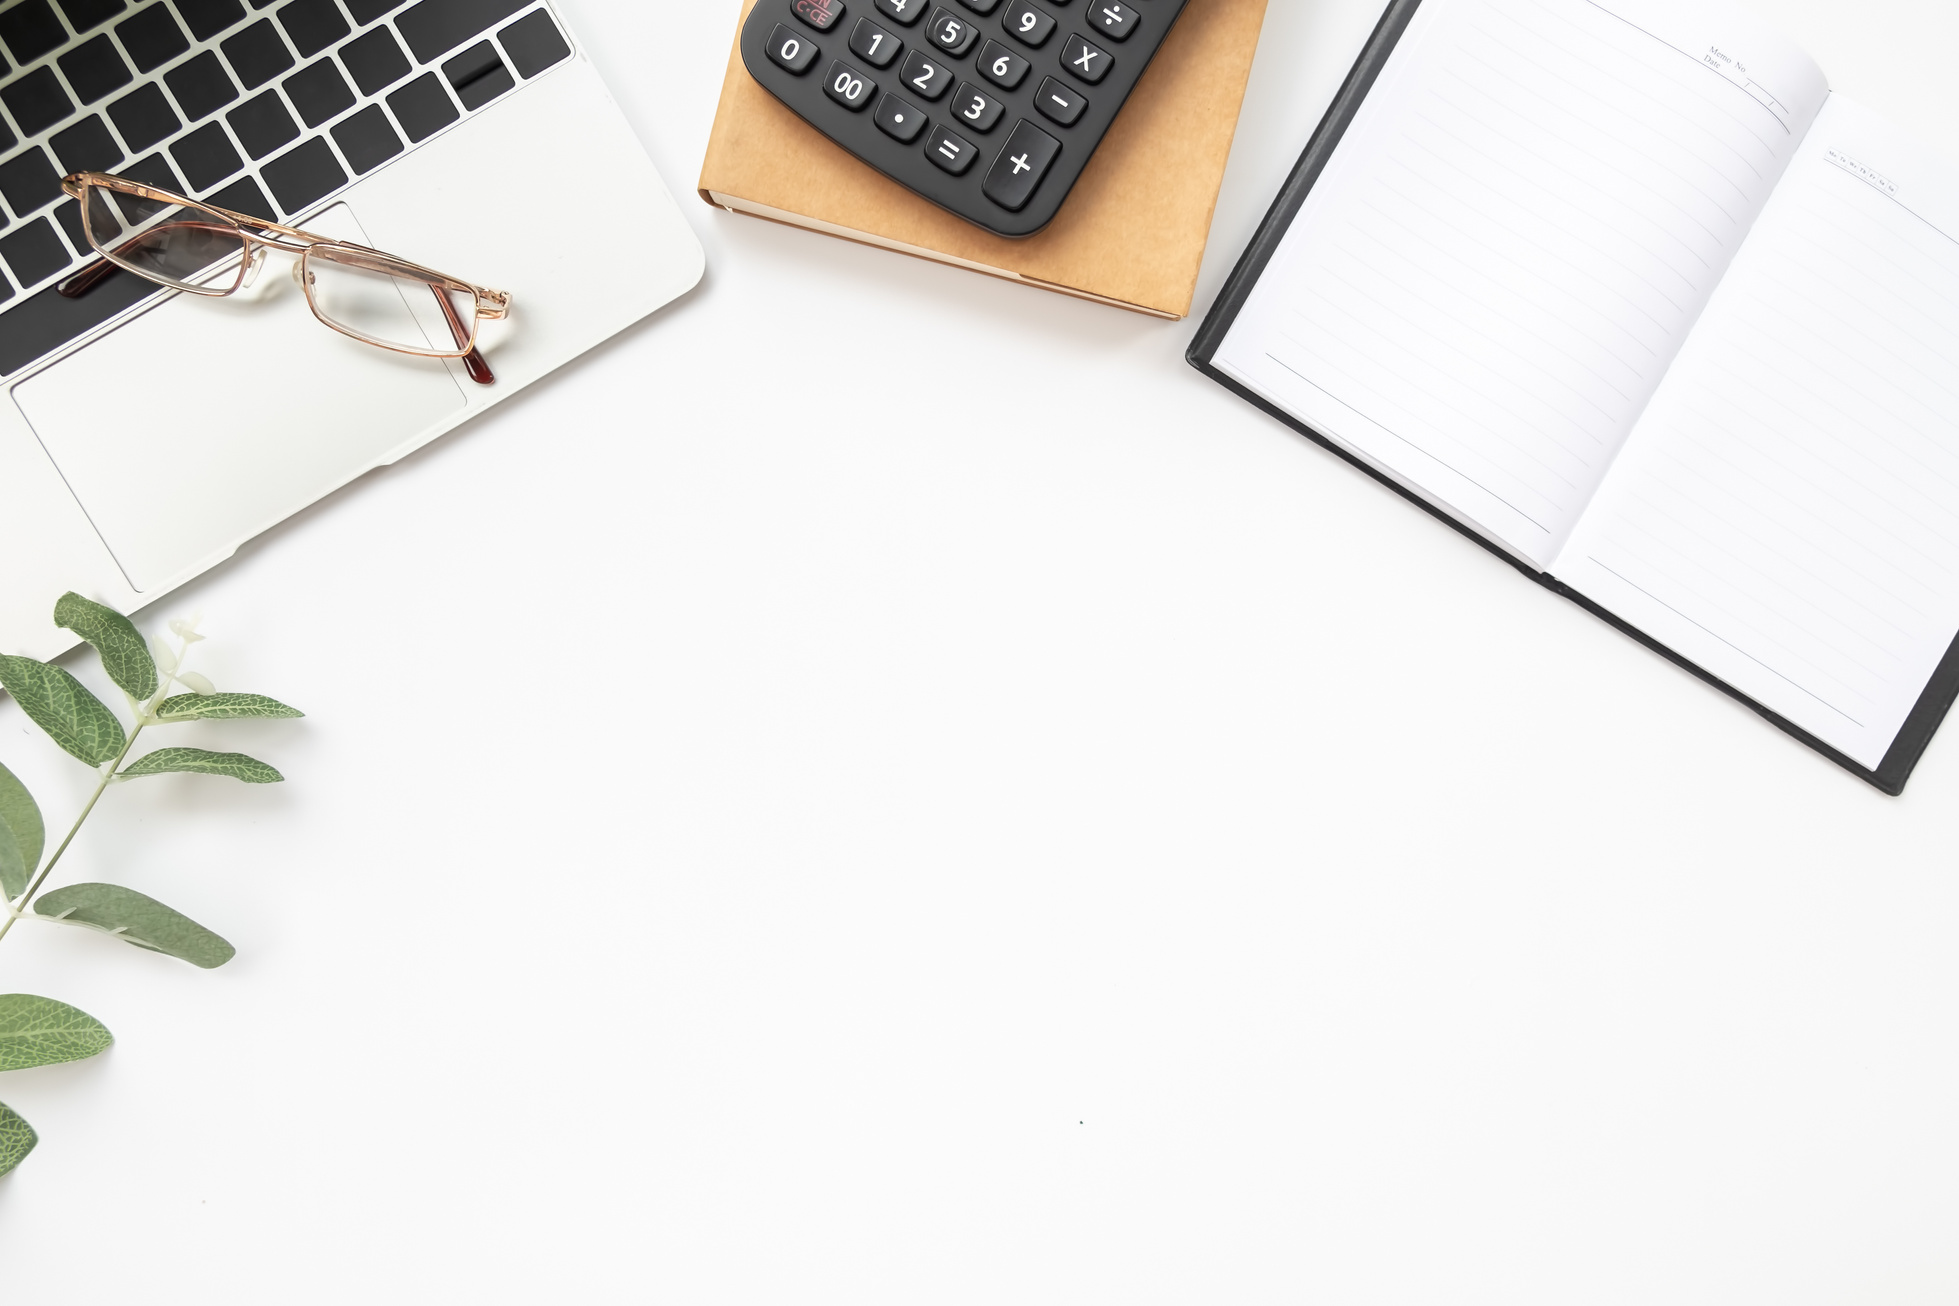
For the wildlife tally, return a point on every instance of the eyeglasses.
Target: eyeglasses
(201, 249)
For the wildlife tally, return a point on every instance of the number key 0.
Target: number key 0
(792, 50)
(1002, 66)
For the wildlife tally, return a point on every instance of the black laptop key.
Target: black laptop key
(950, 151)
(154, 170)
(366, 139)
(1113, 20)
(313, 25)
(478, 75)
(423, 107)
(899, 120)
(28, 181)
(69, 214)
(242, 196)
(206, 18)
(257, 54)
(94, 68)
(262, 124)
(44, 322)
(847, 86)
(37, 101)
(375, 61)
(533, 43)
(906, 12)
(319, 92)
(144, 117)
(1088, 62)
(1002, 66)
(952, 34)
(151, 37)
(1060, 104)
(1028, 25)
(206, 157)
(7, 141)
(302, 175)
(873, 44)
(201, 85)
(31, 30)
(35, 252)
(792, 49)
(84, 14)
(976, 109)
(435, 27)
(366, 11)
(86, 147)
(820, 14)
(1017, 173)
(928, 76)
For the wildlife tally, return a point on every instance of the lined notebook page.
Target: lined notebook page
(1787, 512)
(1509, 245)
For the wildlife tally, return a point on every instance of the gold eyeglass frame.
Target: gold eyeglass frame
(256, 236)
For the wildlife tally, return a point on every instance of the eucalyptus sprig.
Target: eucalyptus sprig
(38, 1031)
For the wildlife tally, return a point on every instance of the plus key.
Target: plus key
(1017, 173)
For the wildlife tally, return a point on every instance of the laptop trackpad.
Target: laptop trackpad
(201, 423)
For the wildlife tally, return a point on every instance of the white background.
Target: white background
(883, 786)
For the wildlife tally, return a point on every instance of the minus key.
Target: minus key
(1059, 103)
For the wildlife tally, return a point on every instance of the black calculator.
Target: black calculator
(989, 108)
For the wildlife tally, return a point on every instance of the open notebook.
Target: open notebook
(1623, 289)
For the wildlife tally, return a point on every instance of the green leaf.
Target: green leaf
(58, 703)
(125, 654)
(14, 874)
(42, 1032)
(204, 762)
(21, 834)
(138, 919)
(17, 1138)
(222, 707)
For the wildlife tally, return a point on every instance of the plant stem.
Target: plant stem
(19, 905)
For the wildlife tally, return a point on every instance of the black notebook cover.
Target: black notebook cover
(1896, 768)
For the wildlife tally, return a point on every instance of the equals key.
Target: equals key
(1060, 104)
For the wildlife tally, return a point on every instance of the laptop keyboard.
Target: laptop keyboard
(252, 105)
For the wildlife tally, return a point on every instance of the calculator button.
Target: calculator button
(792, 50)
(976, 109)
(1058, 103)
(928, 77)
(1012, 179)
(847, 86)
(1113, 20)
(877, 46)
(981, 6)
(902, 11)
(820, 14)
(950, 151)
(1085, 61)
(951, 33)
(1028, 24)
(1002, 66)
(899, 120)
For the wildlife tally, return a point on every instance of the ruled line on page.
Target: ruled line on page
(1737, 648)
(1416, 447)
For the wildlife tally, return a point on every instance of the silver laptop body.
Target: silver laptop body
(145, 435)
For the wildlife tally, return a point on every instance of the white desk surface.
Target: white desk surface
(884, 786)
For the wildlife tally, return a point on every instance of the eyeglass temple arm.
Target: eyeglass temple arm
(473, 362)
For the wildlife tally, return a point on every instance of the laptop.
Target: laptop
(146, 434)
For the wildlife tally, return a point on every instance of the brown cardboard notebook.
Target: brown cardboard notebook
(1132, 233)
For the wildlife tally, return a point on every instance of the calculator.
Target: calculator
(988, 108)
